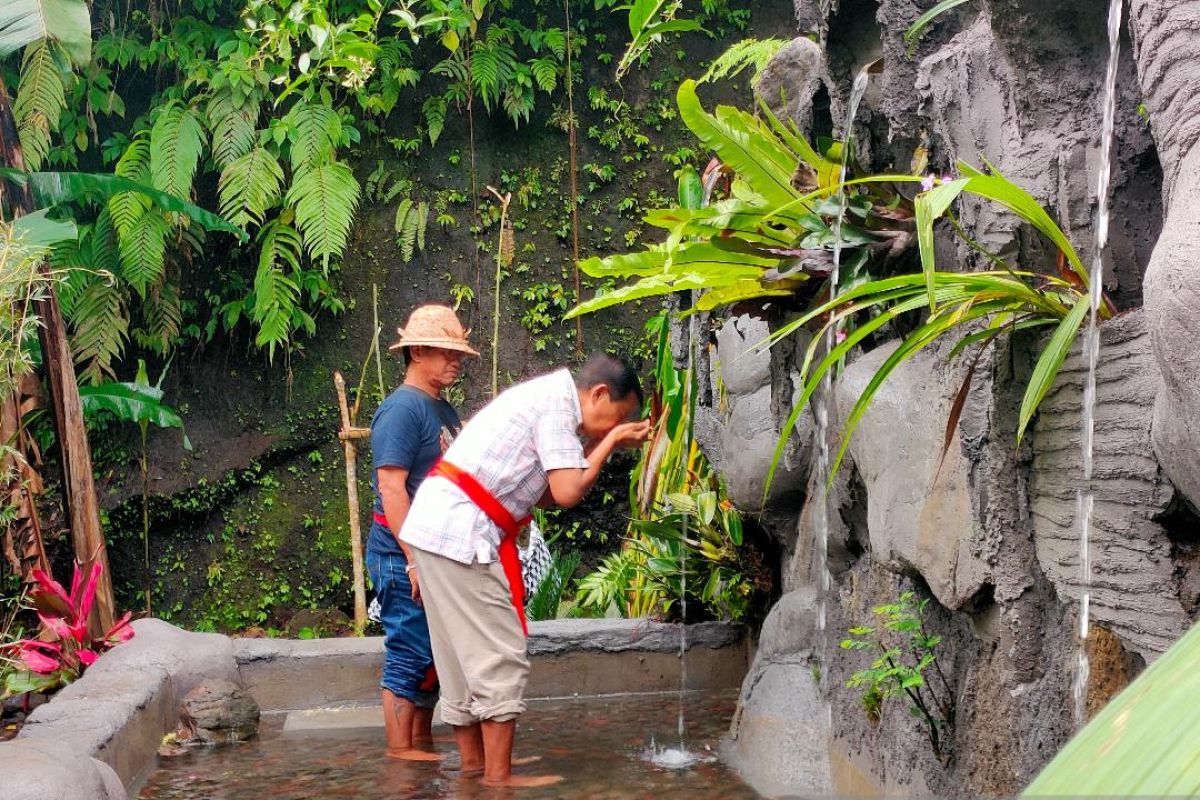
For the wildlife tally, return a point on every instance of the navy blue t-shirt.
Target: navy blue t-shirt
(410, 430)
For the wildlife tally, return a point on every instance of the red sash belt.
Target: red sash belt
(497, 513)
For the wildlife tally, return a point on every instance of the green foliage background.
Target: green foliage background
(350, 168)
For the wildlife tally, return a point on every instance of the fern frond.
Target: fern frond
(99, 329)
(316, 130)
(176, 143)
(134, 164)
(324, 199)
(740, 55)
(39, 104)
(518, 103)
(143, 250)
(163, 316)
(276, 294)
(233, 127)
(249, 186)
(406, 228)
(555, 41)
(422, 221)
(545, 72)
(434, 109)
(454, 67)
(492, 65)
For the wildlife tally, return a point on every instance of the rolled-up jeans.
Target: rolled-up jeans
(408, 670)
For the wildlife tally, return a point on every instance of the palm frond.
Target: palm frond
(233, 127)
(176, 143)
(39, 103)
(99, 324)
(249, 186)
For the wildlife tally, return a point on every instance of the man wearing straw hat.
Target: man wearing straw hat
(409, 433)
(521, 449)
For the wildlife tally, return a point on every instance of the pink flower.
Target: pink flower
(841, 335)
(928, 182)
(88, 657)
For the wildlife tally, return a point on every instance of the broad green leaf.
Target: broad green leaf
(1021, 203)
(691, 190)
(1050, 361)
(740, 141)
(64, 21)
(132, 402)
(35, 233)
(929, 206)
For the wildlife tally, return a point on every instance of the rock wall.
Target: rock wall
(988, 533)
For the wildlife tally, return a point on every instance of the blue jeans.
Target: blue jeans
(408, 660)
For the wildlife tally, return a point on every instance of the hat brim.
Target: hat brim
(442, 344)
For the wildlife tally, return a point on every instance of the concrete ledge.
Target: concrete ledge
(577, 656)
(119, 710)
(37, 770)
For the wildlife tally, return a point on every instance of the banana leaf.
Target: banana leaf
(51, 189)
(132, 402)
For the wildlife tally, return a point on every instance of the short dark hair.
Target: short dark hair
(617, 374)
(406, 354)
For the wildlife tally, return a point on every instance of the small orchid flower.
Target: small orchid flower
(928, 182)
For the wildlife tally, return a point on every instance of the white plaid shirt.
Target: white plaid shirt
(508, 447)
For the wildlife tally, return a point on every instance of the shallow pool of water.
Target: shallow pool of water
(600, 745)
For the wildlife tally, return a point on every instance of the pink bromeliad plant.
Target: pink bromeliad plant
(66, 647)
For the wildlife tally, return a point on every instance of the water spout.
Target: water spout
(1086, 497)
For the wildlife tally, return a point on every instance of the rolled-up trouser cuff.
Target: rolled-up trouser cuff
(456, 714)
(500, 712)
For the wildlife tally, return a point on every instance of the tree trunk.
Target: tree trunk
(79, 490)
(1166, 38)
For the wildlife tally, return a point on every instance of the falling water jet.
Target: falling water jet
(1085, 496)
(824, 400)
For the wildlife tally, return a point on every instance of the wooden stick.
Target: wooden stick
(348, 434)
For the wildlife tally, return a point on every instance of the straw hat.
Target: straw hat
(434, 326)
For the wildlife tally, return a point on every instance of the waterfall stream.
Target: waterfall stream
(1086, 495)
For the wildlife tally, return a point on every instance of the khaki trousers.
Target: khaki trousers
(478, 646)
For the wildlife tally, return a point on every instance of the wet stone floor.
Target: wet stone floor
(600, 746)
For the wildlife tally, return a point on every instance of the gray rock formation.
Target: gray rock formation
(778, 739)
(218, 712)
(1166, 36)
(1134, 591)
(754, 393)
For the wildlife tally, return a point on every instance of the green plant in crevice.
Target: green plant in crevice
(905, 665)
(677, 503)
(773, 237)
(912, 36)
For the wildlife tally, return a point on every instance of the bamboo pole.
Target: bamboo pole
(349, 434)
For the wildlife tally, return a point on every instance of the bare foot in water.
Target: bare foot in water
(519, 761)
(525, 781)
(413, 754)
